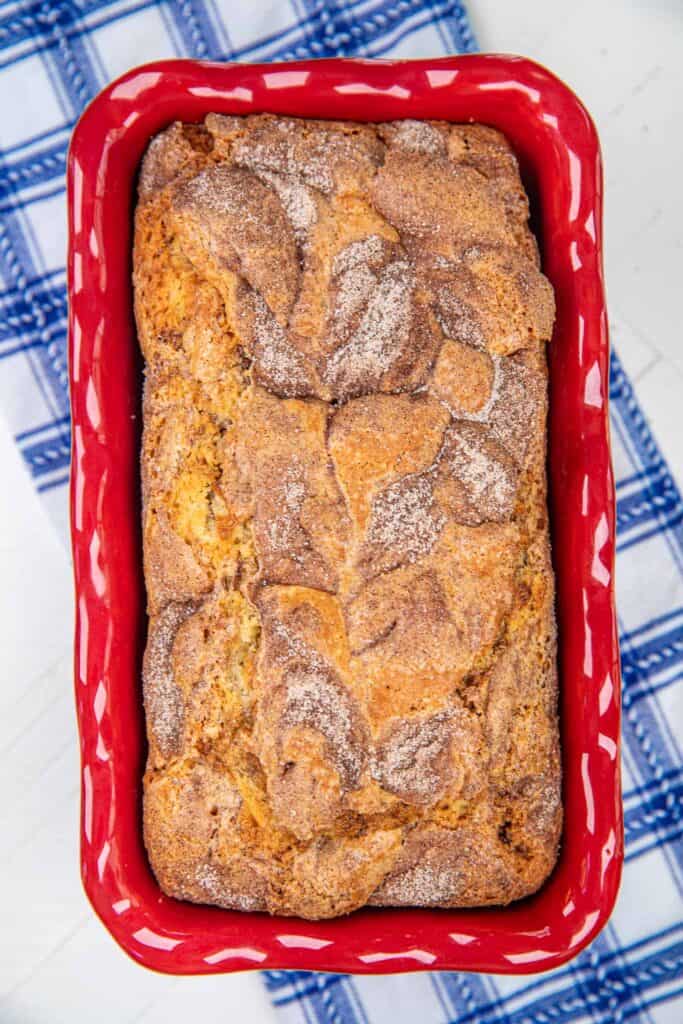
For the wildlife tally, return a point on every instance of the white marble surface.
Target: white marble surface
(56, 961)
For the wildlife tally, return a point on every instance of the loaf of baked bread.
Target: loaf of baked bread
(350, 675)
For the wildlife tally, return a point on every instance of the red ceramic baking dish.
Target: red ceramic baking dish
(559, 155)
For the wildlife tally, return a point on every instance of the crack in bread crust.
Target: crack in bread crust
(350, 678)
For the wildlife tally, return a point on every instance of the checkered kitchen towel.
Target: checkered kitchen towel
(54, 57)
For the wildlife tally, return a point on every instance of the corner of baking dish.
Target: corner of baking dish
(558, 149)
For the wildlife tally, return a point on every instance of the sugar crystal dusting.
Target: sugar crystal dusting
(490, 483)
(276, 359)
(297, 200)
(405, 519)
(212, 882)
(412, 760)
(163, 697)
(359, 253)
(419, 137)
(422, 885)
(381, 336)
(313, 700)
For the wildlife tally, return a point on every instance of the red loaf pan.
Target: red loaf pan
(559, 154)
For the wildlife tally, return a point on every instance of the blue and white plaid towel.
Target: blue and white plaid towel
(54, 57)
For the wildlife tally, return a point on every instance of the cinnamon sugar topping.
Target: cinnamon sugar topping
(422, 885)
(298, 202)
(278, 365)
(413, 760)
(343, 460)
(405, 522)
(313, 700)
(419, 137)
(282, 529)
(485, 470)
(358, 366)
(163, 698)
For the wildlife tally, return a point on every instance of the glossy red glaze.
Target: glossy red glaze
(559, 153)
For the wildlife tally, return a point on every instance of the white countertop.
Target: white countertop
(56, 961)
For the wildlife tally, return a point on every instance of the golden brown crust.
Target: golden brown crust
(350, 677)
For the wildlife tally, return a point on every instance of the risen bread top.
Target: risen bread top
(350, 676)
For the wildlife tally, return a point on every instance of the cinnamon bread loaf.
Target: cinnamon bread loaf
(350, 676)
